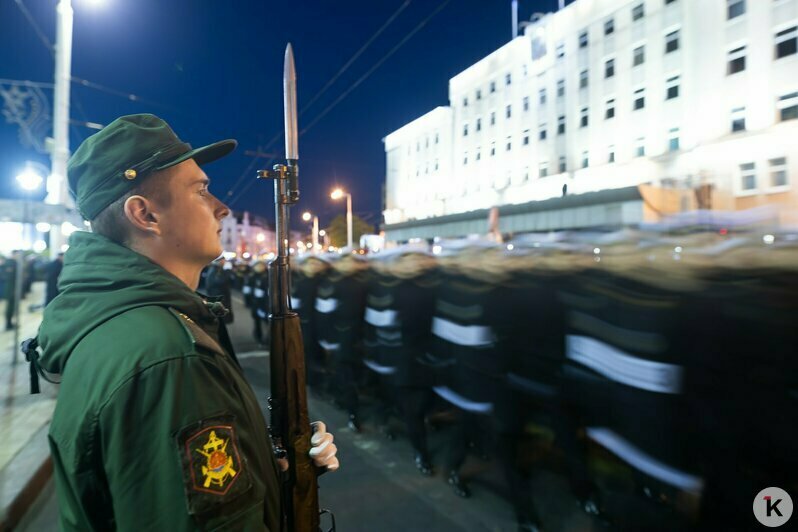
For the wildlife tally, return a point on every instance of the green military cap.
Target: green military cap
(114, 160)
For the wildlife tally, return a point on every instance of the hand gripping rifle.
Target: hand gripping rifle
(290, 426)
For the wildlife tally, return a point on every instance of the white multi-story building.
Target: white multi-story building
(676, 104)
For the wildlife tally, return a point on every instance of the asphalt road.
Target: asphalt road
(377, 487)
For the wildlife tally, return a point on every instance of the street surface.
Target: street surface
(377, 487)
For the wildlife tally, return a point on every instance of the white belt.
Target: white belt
(246, 290)
(329, 346)
(467, 335)
(645, 463)
(325, 306)
(621, 367)
(380, 318)
(460, 401)
(382, 370)
(296, 303)
(259, 292)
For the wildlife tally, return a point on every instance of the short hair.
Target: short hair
(112, 223)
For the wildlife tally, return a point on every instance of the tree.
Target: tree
(337, 230)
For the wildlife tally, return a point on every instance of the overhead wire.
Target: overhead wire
(352, 87)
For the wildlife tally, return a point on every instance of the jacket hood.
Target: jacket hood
(102, 279)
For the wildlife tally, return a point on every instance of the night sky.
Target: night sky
(213, 70)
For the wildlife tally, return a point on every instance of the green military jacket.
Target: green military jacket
(155, 427)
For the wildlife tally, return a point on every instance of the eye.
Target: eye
(204, 190)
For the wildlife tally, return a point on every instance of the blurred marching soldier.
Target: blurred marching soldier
(305, 278)
(258, 282)
(217, 285)
(399, 312)
(246, 288)
(467, 303)
(53, 272)
(340, 304)
(9, 273)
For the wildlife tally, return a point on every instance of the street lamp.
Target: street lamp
(338, 194)
(315, 234)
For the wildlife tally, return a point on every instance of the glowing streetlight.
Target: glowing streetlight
(336, 195)
(308, 216)
(30, 179)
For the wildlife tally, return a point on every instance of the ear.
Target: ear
(141, 215)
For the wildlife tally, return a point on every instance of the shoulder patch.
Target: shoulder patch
(213, 470)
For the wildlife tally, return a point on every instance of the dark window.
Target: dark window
(561, 125)
(640, 99)
(526, 137)
(560, 51)
(465, 102)
(583, 39)
(788, 106)
(583, 79)
(673, 140)
(583, 117)
(639, 56)
(465, 130)
(584, 159)
(611, 155)
(787, 42)
(479, 124)
(738, 119)
(778, 172)
(736, 61)
(640, 150)
(479, 94)
(735, 8)
(508, 111)
(609, 68)
(638, 12)
(544, 169)
(748, 176)
(492, 86)
(508, 79)
(542, 96)
(672, 42)
(562, 165)
(492, 117)
(560, 88)
(610, 110)
(542, 132)
(526, 103)
(672, 88)
(609, 26)
(509, 144)
(667, 2)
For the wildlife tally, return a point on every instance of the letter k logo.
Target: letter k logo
(771, 506)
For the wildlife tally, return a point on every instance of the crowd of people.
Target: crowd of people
(657, 373)
(34, 268)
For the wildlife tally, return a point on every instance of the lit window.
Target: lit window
(788, 106)
(509, 144)
(673, 139)
(562, 165)
(560, 50)
(544, 169)
(748, 176)
(609, 26)
(560, 88)
(609, 110)
(738, 119)
(526, 137)
(735, 8)
(639, 99)
(787, 42)
(526, 103)
(465, 102)
(583, 39)
(583, 117)
(542, 96)
(508, 79)
(583, 79)
(640, 147)
(639, 56)
(492, 86)
(585, 159)
(736, 61)
(611, 154)
(672, 42)
(508, 111)
(778, 172)
(542, 132)
(479, 124)
(492, 117)
(465, 130)
(638, 12)
(609, 68)
(672, 88)
(561, 125)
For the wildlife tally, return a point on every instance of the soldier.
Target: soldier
(53, 273)
(258, 283)
(340, 304)
(217, 285)
(9, 273)
(310, 270)
(156, 427)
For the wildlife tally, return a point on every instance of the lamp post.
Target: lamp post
(338, 194)
(315, 234)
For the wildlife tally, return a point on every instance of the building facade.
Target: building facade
(696, 100)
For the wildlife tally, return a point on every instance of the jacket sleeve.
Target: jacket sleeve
(178, 452)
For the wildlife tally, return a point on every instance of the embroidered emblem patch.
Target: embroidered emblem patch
(213, 469)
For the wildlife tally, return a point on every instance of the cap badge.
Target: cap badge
(130, 174)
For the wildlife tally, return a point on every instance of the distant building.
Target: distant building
(674, 104)
(242, 234)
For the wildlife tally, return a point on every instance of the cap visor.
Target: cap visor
(205, 154)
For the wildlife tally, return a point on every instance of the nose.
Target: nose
(221, 210)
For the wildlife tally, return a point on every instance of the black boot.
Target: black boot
(423, 465)
(459, 487)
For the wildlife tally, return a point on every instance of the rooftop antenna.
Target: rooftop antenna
(515, 18)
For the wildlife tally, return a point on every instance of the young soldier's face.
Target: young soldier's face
(192, 221)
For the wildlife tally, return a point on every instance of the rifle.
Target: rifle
(290, 425)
